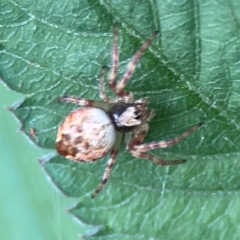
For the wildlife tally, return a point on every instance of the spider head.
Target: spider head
(127, 116)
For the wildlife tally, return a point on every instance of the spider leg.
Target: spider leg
(145, 101)
(103, 95)
(166, 143)
(113, 72)
(136, 141)
(128, 96)
(155, 159)
(139, 135)
(101, 87)
(84, 102)
(119, 89)
(109, 166)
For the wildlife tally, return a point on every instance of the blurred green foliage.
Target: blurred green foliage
(30, 208)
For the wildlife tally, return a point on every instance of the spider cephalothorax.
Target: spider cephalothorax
(127, 116)
(97, 128)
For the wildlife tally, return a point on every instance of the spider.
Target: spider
(92, 131)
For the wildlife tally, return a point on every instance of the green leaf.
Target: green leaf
(191, 73)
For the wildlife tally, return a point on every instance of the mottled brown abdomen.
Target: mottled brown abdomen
(87, 134)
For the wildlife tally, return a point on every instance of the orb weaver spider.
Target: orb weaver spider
(89, 133)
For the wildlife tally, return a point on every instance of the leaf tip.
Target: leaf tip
(46, 158)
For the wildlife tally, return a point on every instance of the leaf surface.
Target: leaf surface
(191, 74)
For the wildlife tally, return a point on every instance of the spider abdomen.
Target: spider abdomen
(87, 134)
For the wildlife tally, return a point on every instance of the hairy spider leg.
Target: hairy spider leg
(84, 102)
(102, 91)
(138, 138)
(115, 58)
(166, 143)
(110, 163)
(155, 159)
(119, 89)
(146, 100)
